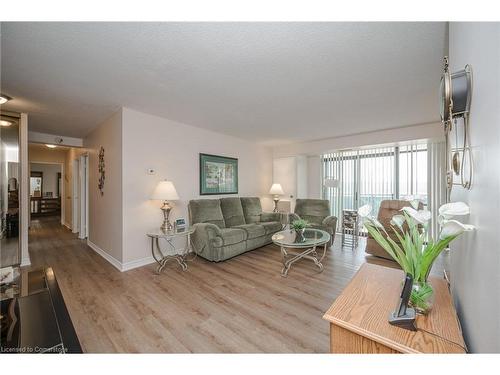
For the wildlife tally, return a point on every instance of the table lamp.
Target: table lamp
(165, 191)
(276, 190)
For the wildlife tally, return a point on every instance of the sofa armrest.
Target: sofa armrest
(292, 217)
(269, 216)
(330, 222)
(204, 235)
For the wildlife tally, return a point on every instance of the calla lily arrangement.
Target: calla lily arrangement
(416, 251)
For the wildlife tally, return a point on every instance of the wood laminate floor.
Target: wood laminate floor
(242, 305)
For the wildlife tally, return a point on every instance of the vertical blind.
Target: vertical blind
(436, 182)
(369, 176)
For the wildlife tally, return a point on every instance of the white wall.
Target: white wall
(172, 149)
(302, 181)
(285, 173)
(403, 134)
(50, 178)
(105, 212)
(314, 178)
(475, 258)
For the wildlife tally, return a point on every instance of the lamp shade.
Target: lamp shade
(331, 182)
(276, 189)
(165, 191)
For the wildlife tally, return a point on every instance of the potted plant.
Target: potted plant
(416, 250)
(299, 226)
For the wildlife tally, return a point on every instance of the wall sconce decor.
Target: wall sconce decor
(102, 174)
(455, 102)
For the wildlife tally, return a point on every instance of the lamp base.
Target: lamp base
(276, 200)
(167, 225)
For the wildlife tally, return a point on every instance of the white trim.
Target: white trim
(115, 262)
(75, 195)
(25, 262)
(67, 225)
(83, 209)
(122, 267)
(24, 190)
(137, 263)
(36, 137)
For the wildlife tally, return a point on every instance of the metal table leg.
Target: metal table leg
(163, 259)
(309, 253)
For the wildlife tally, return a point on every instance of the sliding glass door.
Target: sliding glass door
(376, 176)
(369, 176)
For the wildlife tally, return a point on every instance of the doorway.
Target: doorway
(46, 189)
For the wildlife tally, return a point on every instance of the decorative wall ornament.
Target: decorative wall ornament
(456, 96)
(102, 173)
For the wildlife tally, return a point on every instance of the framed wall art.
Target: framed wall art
(218, 175)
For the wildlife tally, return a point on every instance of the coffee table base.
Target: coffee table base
(308, 253)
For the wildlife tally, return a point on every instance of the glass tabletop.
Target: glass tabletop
(176, 232)
(311, 237)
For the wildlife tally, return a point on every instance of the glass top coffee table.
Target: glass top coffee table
(302, 246)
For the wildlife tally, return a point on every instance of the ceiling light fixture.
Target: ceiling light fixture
(4, 98)
(51, 146)
(5, 123)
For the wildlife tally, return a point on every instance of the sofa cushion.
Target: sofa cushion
(251, 209)
(230, 236)
(253, 230)
(228, 251)
(271, 226)
(312, 210)
(232, 211)
(389, 208)
(206, 211)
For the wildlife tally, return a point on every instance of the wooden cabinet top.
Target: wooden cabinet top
(365, 304)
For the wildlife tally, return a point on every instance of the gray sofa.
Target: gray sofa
(227, 227)
(317, 213)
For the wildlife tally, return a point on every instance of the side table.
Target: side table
(160, 255)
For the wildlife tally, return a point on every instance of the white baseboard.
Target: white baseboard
(25, 262)
(115, 262)
(122, 267)
(67, 225)
(137, 263)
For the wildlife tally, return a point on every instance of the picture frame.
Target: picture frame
(218, 175)
(180, 222)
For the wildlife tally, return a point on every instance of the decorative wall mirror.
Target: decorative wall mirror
(455, 102)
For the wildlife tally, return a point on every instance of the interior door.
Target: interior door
(75, 202)
(83, 202)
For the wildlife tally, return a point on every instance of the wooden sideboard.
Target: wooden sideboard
(358, 317)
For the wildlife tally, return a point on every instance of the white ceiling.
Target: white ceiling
(267, 82)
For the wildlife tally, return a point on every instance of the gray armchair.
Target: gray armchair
(316, 212)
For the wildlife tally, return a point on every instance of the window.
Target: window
(369, 176)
